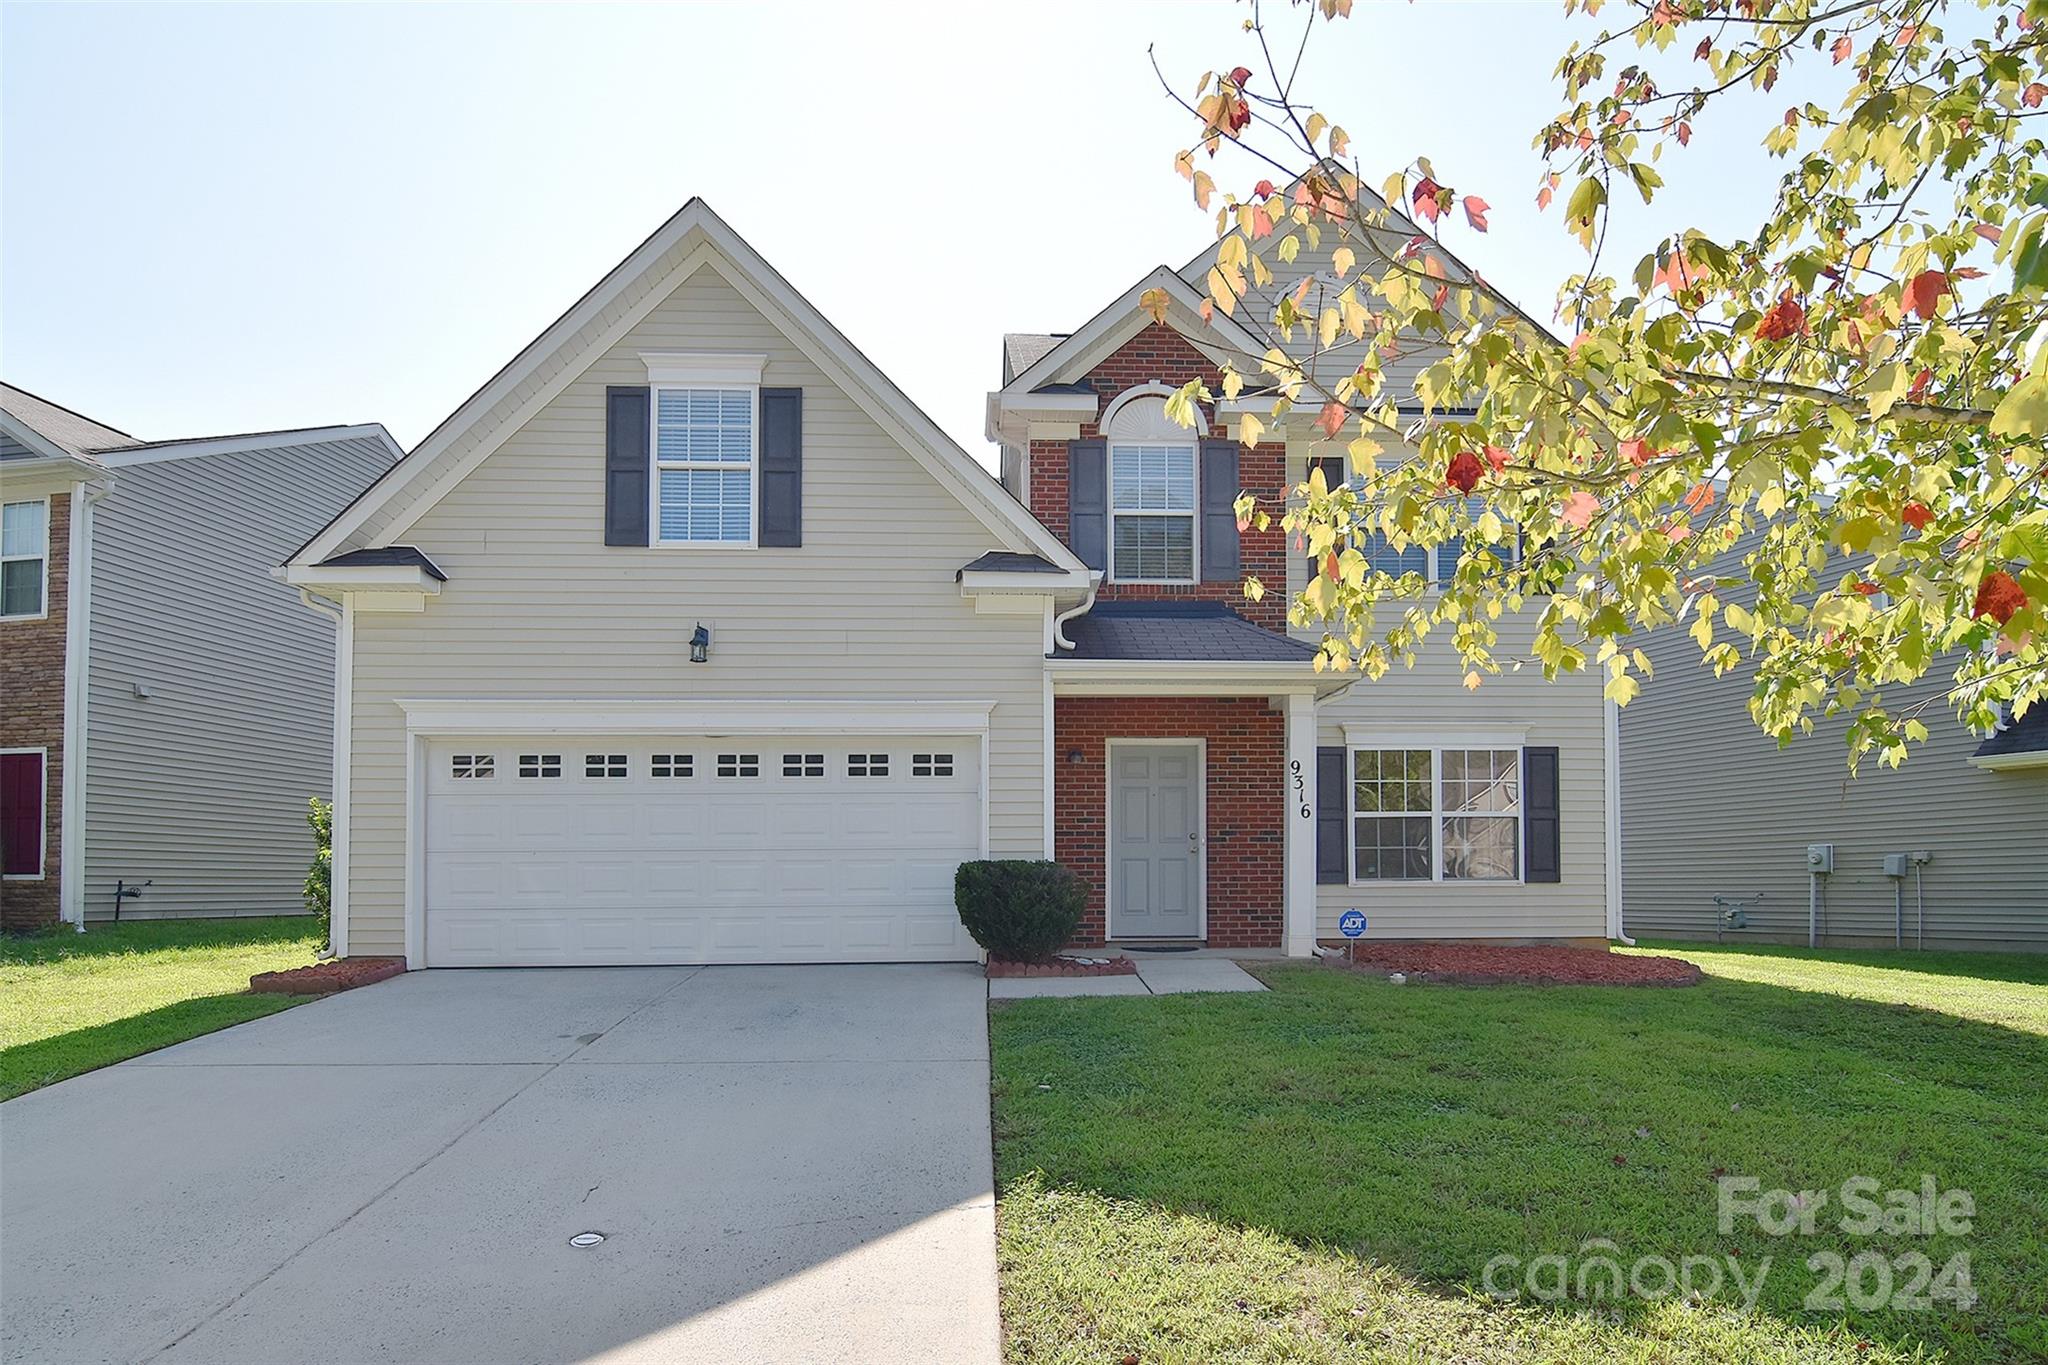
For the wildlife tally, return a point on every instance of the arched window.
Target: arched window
(1152, 493)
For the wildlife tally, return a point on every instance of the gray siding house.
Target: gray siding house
(168, 709)
(1712, 807)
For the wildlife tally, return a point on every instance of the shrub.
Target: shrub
(320, 876)
(1019, 909)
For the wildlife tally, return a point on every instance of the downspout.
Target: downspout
(1059, 623)
(77, 665)
(1611, 735)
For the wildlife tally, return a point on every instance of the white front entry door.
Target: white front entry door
(1155, 840)
(566, 851)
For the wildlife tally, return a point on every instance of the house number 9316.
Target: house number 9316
(1300, 789)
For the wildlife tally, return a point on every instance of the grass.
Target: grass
(70, 1002)
(1322, 1173)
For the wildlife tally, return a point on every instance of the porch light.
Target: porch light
(700, 644)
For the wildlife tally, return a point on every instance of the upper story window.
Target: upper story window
(24, 558)
(1152, 493)
(704, 461)
(1381, 555)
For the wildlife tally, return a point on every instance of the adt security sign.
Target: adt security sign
(1352, 924)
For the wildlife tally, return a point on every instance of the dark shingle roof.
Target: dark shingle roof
(1200, 632)
(2027, 735)
(73, 433)
(1009, 561)
(383, 556)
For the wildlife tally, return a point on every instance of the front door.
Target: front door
(1155, 841)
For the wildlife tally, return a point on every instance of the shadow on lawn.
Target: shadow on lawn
(45, 1061)
(1433, 1128)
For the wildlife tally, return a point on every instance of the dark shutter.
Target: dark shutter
(1540, 825)
(782, 467)
(1332, 810)
(1219, 512)
(625, 465)
(1333, 474)
(21, 814)
(1088, 502)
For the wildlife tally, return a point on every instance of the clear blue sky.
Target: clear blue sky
(225, 218)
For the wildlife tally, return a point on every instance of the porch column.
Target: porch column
(1299, 882)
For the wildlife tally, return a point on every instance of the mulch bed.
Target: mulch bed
(1064, 966)
(1474, 964)
(336, 974)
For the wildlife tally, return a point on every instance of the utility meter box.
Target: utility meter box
(1820, 857)
(1894, 864)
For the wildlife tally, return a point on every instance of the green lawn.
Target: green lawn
(72, 1002)
(1324, 1172)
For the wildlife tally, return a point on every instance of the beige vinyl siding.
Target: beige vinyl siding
(537, 606)
(1432, 699)
(1711, 805)
(201, 788)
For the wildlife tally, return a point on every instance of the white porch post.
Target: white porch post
(1299, 882)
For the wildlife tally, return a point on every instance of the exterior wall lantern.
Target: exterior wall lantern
(700, 644)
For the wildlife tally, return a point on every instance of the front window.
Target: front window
(24, 557)
(704, 447)
(1436, 814)
(1152, 513)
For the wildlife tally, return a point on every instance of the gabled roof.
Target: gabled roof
(1190, 632)
(1126, 316)
(192, 447)
(697, 237)
(1022, 350)
(62, 431)
(386, 557)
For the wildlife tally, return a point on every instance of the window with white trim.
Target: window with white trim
(803, 765)
(704, 460)
(1152, 513)
(1436, 814)
(540, 765)
(867, 765)
(673, 765)
(469, 767)
(931, 765)
(1381, 555)
(739, 765)
(604, 765)
(24, 558)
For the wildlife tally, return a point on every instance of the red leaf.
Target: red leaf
(2033, 94)
(1999, 595)
(1578, 510)
(1585, 138)
(1685, 134)
(1443, 292)
(1426, 198)
(1498, 457)
(1699, 497)
(1704, 50)
(1867, 589)
(1915, 515)
(1918, 390)
(1475, 212)
(1638, 452)
(1543, 196)
(1264, 189)
(1332, 418)
(1924, 292)
(1665, 14)
(1239, 75)
(1792, 117)
(1785, 319)
(1843, 47)
(1464, 472)
(1330, 566)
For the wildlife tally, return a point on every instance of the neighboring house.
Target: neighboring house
(1713, 808)
(167, 703)
(689, 638)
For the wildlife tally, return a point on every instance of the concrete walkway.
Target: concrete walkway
(787, 1163)
(1158, 974)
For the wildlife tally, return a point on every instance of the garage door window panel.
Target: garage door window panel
(739, 765)
(673, 765)
(540, 765)
(605, 765)
(472, 767)
(867, 765)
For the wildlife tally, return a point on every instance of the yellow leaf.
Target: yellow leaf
(1155, 302)
(1341, 260)
(1340, 141)
(1204, 187)
(1249, 429)
(1472, 681)
(1327, 327)
(1316, 124)
(1220, 292)
(1364, 452)
(1290, 247)
(1233, 384)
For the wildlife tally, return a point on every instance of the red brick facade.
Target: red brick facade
(1160, 355)
(32, 682)
(1246, 802)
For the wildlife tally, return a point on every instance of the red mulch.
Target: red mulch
(336, 974)
(1063, 966)
(1476, 964)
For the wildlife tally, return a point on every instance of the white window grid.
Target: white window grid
(25, 539)
(931, 765)
(672, 765)
(471, 767)
(605, 765)
(706, 446)
(540, 765)
(803, 765)
(1467, 799)
(1152, 497)
(739, 765)
(867, 765)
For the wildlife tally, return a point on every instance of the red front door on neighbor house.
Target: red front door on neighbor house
(21, 814)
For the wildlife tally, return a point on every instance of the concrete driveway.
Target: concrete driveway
(787, 1163)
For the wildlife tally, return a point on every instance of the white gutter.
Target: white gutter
(1612, 736)
(77, 661)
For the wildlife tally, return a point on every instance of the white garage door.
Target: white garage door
(576, 851)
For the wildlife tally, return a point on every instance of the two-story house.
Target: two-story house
(689, 638)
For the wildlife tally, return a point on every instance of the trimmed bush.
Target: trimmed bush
(1018, 909)
(319, 888)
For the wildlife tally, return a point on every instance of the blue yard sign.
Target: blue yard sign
(1352, 924)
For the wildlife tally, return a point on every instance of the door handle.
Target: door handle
(1194, 843)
